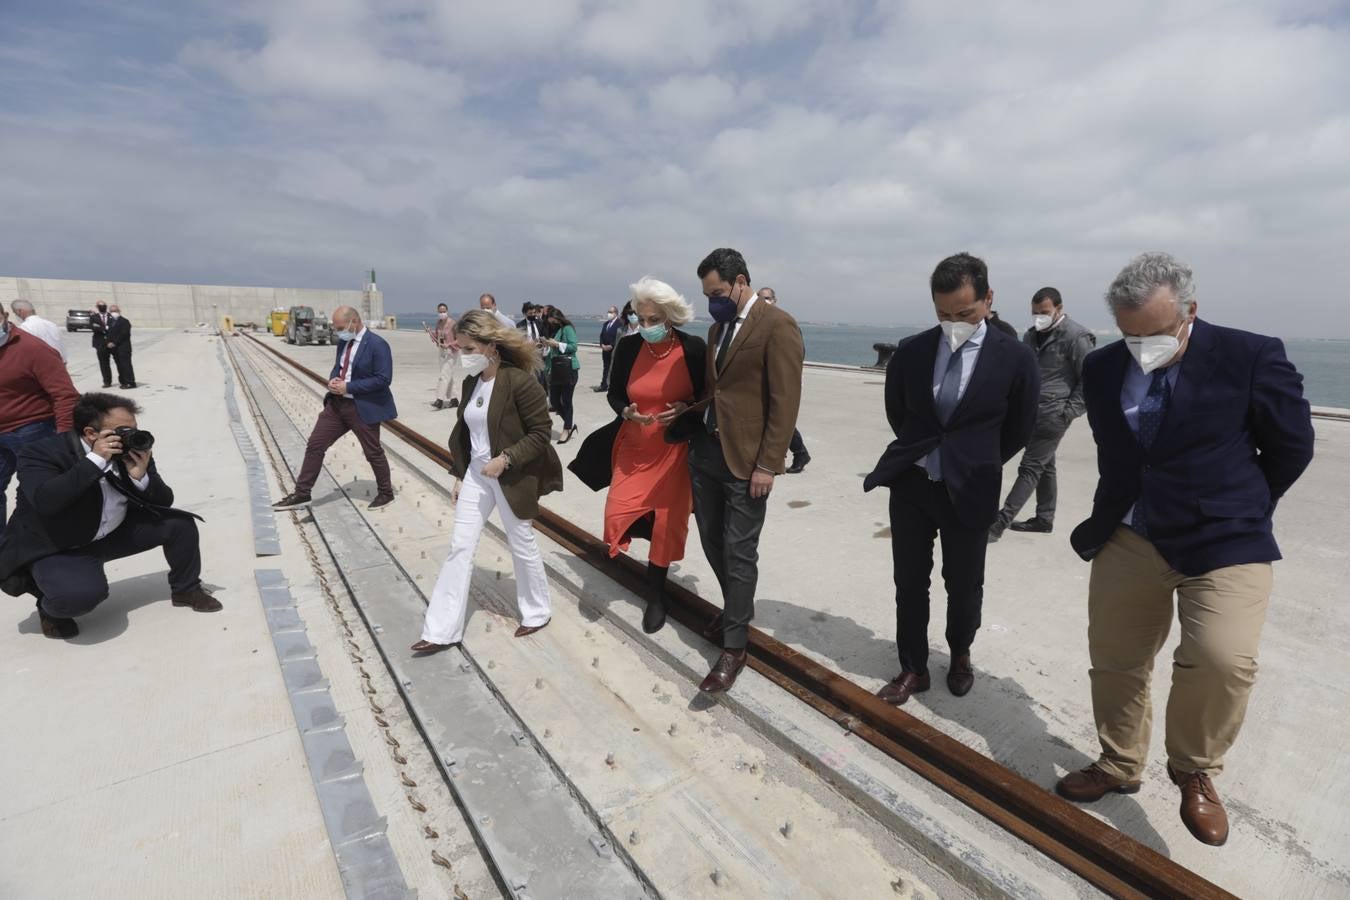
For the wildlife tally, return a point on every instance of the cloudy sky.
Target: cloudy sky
(557, 149)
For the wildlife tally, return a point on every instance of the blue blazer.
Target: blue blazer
(372, 373)
(990, 426)
(1236, 436)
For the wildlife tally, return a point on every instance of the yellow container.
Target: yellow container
(279, 319)
(227, 324)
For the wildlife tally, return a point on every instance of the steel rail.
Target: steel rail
(1110, 860)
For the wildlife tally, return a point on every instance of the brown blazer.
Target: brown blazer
(518, 422)
(758, 392)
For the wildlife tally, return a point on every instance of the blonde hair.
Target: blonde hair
(664, 297)
(515, 349)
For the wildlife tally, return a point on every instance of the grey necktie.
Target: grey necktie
(948, 395)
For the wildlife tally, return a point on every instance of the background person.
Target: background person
(739, 434)
(501, 455)
(488, 304)
(39, 327)
(119, 343)
(609, 337)
(629, 325)
(564, 368)
(800, 455)
(1200, 431)
(37, 398)
(961, 400)
(99, 320)
(449, 378)
(358, 400)
(1060, 345)
(85, 499)
(650, 495)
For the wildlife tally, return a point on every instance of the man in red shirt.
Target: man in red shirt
(36, 397)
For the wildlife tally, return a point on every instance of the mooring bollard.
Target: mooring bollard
(884, 352)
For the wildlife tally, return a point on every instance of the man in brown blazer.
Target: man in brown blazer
(738, 440)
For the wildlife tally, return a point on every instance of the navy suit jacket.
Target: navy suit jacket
(371, 374)
(990, 426)
(1237, 434)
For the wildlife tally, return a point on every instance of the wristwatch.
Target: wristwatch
(506, 455)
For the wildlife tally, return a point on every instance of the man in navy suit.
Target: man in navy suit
(961, 399)
(358, 400)
(1200, 430)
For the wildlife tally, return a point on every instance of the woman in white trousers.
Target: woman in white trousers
(448, 381)
(502, 456)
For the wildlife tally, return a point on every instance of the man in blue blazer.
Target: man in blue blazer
(358, 400)
(1200, 431)
(961, 399)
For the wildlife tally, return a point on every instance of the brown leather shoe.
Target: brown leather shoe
(198, 599)
(724, 672)
(900, 688)
(1092, 784)
(526, 630)
(57, 627)
(426, 648)
(1201, 808)
(293, 500)
(961, 676)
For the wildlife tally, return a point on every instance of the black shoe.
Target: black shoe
(381, 500)
(293, 500)
(1034, 526)
(438, 404)
(452, 403)
(798, 463)
(600, 389)
(567, 435)
(995, 532)
(130, 385)
(56, 627)
(107, 384)
(199, 599)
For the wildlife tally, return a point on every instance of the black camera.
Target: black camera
(135, 438)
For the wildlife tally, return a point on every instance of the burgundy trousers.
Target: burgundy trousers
(339, 417)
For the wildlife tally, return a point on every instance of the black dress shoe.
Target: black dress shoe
(654, 619)
(438, 404)
(107, 384)
(293, 500)
(961, 675)
(799, 463)
(724, 672)
(199, 599)
(995, 533)
(452, 403)
(57, 627)
(381, 500)
(567, 435)
(1034, 526)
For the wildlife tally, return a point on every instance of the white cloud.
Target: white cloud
(564, 148)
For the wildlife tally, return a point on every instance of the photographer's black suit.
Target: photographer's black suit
(49, 547)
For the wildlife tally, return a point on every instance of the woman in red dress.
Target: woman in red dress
(648, 476)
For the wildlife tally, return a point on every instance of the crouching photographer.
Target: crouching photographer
(85, 498)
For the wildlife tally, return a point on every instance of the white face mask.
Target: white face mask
(1042, 323)
(115, 315)
(1155, 351)
(474, 363)
(442, 316)
(957, 333)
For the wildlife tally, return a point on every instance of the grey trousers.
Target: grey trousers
(1036, 473)
(729, 523)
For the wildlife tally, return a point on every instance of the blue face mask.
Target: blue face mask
(632, 318)
(722, 309)
(346, 335)
(654, 334)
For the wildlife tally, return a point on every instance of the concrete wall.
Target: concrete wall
(180, 305)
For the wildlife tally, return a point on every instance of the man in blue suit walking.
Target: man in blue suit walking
(358, 400)
(1200, 431)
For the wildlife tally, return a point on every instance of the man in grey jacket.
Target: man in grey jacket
(1060, 345)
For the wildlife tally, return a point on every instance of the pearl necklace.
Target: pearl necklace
(670, 341)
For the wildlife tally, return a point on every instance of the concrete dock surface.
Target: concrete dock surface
(155, 754)
(825, 588)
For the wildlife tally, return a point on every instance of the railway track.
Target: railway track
(1104, 857)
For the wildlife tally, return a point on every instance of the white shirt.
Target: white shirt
(737, 322)
(355, 344)
(50, 334)
(531, 329)
(476, 420)
(114, 502)
(503, 318)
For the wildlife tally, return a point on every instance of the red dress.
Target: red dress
(650, 475)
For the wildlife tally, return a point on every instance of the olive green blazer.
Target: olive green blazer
(518, 422)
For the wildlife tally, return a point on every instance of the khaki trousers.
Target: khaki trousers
(1213, 670)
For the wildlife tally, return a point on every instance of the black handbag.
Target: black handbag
(560, 368)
